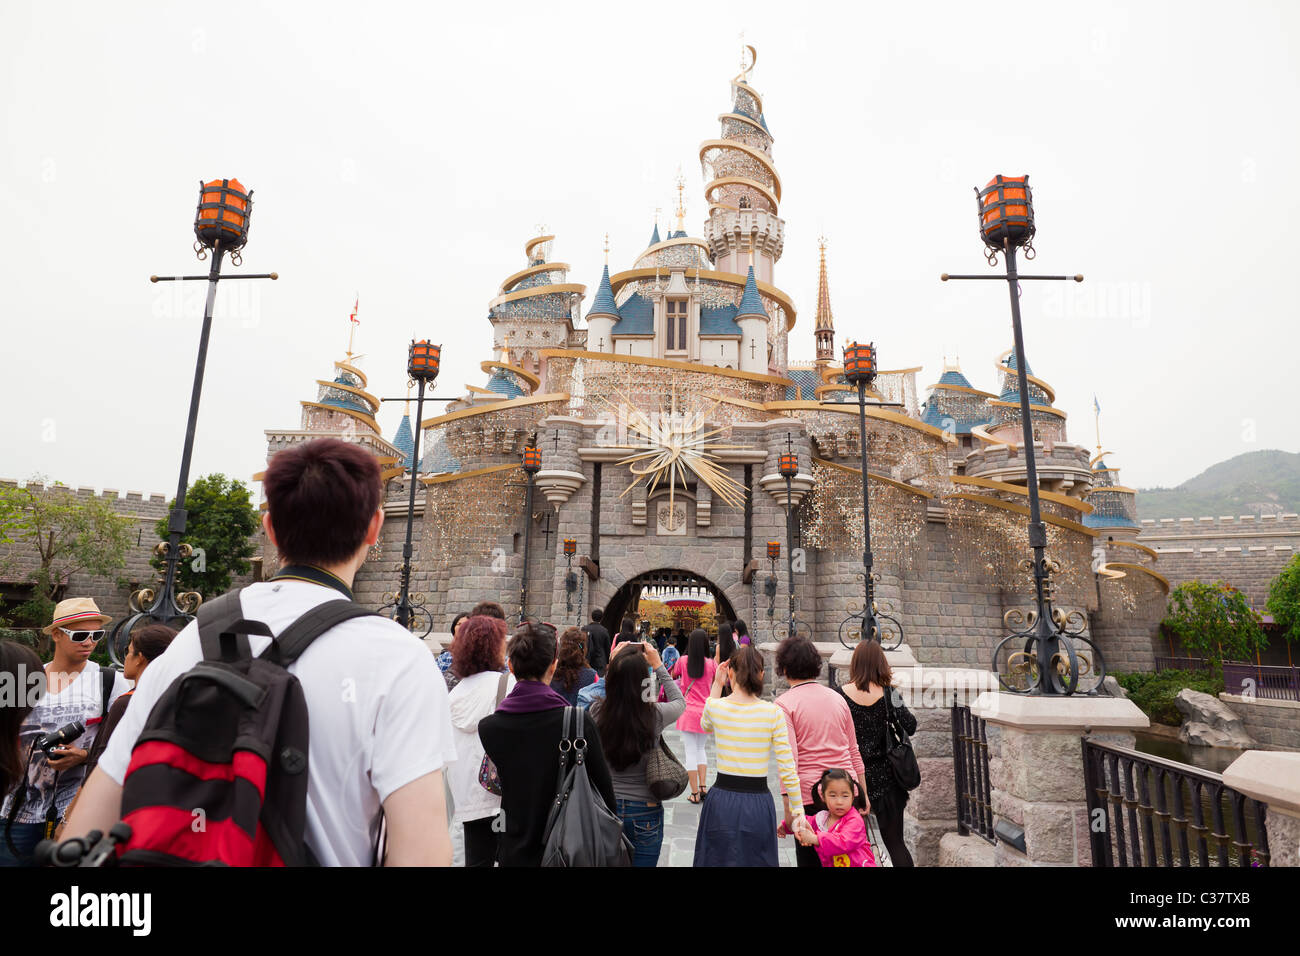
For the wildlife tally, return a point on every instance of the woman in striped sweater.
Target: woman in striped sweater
(738, 819)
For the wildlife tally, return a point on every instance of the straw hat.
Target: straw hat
(76, 611)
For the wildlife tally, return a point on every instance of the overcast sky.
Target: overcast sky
(406, 152)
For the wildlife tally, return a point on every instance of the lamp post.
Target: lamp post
(787, 467)
(769, 586)
(220, 227)
(570, 579)
(1048, 661)
(532, 465)
(422, 365)
(860, 369)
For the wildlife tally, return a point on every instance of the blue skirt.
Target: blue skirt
(736, 829)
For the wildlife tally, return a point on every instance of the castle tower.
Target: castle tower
(824, 329)
(534, 309)
(602, 316)
(743, 189)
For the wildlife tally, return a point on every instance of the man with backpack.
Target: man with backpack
(346, 710)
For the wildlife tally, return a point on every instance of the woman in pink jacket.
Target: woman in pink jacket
(694, 675)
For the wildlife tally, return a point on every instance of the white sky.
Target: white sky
(406, 152)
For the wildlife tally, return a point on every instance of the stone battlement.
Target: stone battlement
(1237, 524)
(110, 494)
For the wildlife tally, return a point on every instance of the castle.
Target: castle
(660, 414)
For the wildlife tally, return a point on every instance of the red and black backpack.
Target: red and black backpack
(218, 776)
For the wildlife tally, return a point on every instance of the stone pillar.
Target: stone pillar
(1272, 777)
(1037, 776)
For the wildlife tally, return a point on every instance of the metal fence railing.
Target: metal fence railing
(1148, 811)
(1265, 681)
(970, 756)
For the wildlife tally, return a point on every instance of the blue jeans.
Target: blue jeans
(25, 837)
(644, 826)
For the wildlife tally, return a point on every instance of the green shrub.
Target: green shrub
(1154, 693)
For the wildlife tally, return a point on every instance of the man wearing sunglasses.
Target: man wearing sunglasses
(77, 691)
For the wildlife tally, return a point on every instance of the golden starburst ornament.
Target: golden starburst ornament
(676, 443)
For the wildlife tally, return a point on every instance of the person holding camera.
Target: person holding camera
(60, 730)
(630, 720)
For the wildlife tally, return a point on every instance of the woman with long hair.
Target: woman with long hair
(694, 675)
(630, 723)
(870, 680)
(725, 648)
(480, 665)
(572, 673)
(738, 820)
(523, 740)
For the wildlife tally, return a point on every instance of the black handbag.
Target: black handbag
(581, 830)
(665, 777)
(898, 750)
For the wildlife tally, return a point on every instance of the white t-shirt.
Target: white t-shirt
(80, 700)
(376, 704)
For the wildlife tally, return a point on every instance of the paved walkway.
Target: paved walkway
(681, 817)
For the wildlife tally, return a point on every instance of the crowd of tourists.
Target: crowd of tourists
(544, 745)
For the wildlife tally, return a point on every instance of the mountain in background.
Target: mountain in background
(1256, 483)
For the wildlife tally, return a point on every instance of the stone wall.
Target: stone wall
(1248, 552)
(1274, 724)
(144, 510)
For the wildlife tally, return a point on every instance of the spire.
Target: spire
(654, 237)
(404, 441)
(681, 202)
(824, 329)
(603, 303)
(751, 303)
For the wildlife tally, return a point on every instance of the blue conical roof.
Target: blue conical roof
(751, 303)
(603, 303)
(954, 377)
(654, 237)
(404, 440)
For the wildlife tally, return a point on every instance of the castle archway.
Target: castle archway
(666, 582)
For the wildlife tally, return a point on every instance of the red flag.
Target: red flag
(355, 306)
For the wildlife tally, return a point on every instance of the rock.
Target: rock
(1209, 722)
(1110, 686)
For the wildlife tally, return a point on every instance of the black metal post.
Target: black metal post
(1048, 642)
(404, 595)
(176, 519)
(870, 628)
(789, 548)
(528, 537)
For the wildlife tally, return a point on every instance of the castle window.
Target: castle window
(675, 326)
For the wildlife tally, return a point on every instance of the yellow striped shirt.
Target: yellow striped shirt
(746, 735)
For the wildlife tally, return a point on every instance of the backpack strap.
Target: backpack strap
(107, 678)
(217, 618)
(297, 637)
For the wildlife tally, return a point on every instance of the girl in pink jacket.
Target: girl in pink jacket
(838, 832)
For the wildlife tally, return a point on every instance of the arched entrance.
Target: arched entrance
(666, 581)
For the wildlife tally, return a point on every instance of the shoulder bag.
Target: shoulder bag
(898, 749)
(581, 830)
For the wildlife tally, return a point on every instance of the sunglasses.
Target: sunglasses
(78, 637)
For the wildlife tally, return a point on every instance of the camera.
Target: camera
(64, 735)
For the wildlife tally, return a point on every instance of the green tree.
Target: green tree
(1284, 602)
(221, 519)
(62, 534)
(1214, 619)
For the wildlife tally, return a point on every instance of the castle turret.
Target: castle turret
(535, 309)
(743, 189)
(752, 319)
(601, 318)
